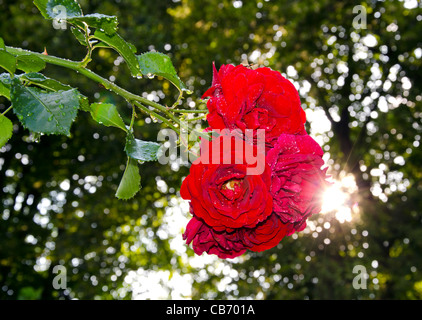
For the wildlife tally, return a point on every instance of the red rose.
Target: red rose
(297, 180)
(224, 195)
(237, 209)
(230, 244)
(254, 99)
(266, 234)
(205, 239)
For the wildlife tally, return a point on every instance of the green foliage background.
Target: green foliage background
(57, 195)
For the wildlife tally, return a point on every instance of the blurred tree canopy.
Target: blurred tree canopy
(359, 77)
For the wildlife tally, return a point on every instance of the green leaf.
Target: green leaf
(99, 21)
(101, 44)
(159, 64)
(84, 103)
(6, 130)
(131, 181)
(42, 81)
(123, 48)
(141, 150)
(30, 63)
(4, 91)
(5, 83)
(79, 35)
(44, 112)
(107, 114)
(62, 9)
(7, 61)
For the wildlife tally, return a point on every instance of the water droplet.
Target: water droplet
(63, 113)
(20, 117)
(61, 106)
(150, 76)
(29, 114)
(50, 119)
(35, 137)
